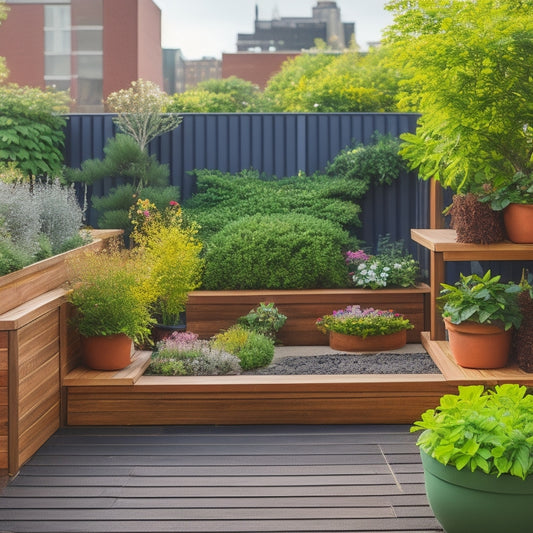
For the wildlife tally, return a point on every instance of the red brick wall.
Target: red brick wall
(21, 43)
(150, 54)
(132, 43)
(255, 67)
(120, 45)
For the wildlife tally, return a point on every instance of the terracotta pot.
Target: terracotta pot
(111, 352)
(476, 345)
(518, 219)
(376, 343)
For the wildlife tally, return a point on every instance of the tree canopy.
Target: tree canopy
(468, 71)
(325, 82)
(3, 68)
(228, 95)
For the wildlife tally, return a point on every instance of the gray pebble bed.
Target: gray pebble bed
(381, 363)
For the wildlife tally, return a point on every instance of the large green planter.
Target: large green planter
(474, 502)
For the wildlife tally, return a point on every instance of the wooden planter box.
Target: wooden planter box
(209, 312)
(36, 350)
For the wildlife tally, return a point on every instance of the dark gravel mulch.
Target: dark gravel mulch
(382, 363)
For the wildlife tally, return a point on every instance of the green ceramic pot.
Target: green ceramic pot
(474, 502)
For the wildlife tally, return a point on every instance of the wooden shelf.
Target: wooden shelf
(455, 374)
(443, 247)
(444, 241)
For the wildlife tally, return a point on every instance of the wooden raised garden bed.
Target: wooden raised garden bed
(36, 350)
(209, 312)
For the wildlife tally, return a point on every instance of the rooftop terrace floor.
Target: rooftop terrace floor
(357, 478)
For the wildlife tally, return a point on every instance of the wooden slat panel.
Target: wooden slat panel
(34, 437)
(251, 405)
(45, 276)
(209, 312)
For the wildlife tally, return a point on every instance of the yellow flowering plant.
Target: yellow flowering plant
(171, 252)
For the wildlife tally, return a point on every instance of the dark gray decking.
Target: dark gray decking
(233, 479)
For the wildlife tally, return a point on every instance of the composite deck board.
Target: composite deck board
(221, 479)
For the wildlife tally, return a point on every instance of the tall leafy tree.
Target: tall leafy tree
(3, 68)
(469, 73)
(228, 95)
(140, 111)
(325, 82)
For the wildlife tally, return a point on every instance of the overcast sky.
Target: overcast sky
(209, 27)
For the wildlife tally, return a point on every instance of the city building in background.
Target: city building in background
(298, 33)
(88, 47)
(173, 70)
(255, 67)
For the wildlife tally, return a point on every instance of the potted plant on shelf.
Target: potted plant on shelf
(515, 198)
(366, 330)
(112, 300)
(475, 122)
(477, 452)
(171, 255)
(479, 313)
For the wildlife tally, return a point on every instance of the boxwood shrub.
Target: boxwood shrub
(276, 252)
(222, 198)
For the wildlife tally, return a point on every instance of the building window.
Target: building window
(57, 45)
(87, 31)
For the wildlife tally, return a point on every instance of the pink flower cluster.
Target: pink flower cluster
(181, 340)
(356, 257)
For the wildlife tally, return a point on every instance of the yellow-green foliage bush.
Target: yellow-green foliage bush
(253, 349)
(171, 255)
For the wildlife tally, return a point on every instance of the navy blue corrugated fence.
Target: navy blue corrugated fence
(280, 144)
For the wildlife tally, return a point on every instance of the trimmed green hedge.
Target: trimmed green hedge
(276, 252)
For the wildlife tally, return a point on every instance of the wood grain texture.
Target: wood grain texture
(453, 373)
(227, 478)
(209, 312)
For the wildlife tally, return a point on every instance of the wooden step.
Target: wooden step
(127, 376)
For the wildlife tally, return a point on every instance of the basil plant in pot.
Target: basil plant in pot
(479, 313)
(355, 329)
(477, 452)
(111, 298)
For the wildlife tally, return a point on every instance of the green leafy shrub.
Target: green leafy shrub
(32, 127)
(376, 163)
(110, 294)
(11, 257)
(264, 319)
(484, 300)
(253, 349)
(183, 354)
(491, 431)
(222, 198)
(276, 252)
